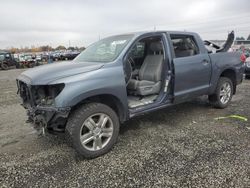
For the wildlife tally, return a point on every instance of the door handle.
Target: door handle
(205, 62)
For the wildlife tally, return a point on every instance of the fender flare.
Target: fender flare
(121, 105)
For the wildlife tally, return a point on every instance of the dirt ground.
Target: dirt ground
(181, 146)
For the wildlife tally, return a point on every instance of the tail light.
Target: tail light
(243, 58)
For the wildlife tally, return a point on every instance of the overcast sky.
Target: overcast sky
(55, 22)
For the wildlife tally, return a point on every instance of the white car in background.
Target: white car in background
(38, 58)
(247, 70)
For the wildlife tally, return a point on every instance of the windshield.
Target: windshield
(105, 50)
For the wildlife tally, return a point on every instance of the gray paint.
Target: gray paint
(45, 74)
(192, 76)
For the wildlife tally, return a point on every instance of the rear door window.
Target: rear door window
(184, 46)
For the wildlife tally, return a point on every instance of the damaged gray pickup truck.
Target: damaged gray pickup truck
(123, 76)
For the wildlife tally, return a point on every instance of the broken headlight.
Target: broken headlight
(45, 94)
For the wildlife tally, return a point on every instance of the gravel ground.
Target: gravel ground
(181, 146)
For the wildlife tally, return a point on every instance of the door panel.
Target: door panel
(192, 76)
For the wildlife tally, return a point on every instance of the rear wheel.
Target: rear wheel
(93, 129)
(223, 93)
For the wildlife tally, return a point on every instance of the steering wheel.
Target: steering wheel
(132, 62)
(128, 69)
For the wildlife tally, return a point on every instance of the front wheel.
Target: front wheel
(223, 93)
(4, 66)
(31, 65)
(93, 129)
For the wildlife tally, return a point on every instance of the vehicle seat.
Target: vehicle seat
(149, 80)
(183, 50)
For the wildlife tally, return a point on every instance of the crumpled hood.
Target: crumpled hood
(46, 73)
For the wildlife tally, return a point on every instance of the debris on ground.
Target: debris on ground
(232, 116)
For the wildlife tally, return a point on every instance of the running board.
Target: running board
(142, 110)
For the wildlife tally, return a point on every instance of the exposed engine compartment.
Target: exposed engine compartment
(45, 94)
(39, 103)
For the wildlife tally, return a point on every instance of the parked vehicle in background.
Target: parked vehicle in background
(247, 70)
(245, 51)
(56, 56)
(38, 58)
(7, 60)
(28, 61)
(16, 57)
(69, 55)
(21, 57)
(44, 56)
(124, 76)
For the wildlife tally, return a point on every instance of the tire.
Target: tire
(96, 139)
(225, 86)
(17, 65)
(4, 66)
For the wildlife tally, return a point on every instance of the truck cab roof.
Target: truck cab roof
(138, 33)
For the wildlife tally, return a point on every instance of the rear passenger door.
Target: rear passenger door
(192, 67)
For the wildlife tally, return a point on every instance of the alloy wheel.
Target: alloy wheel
(96, 132)
(225, 93)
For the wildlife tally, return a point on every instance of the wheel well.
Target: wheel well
(110, 100)
(229, 73)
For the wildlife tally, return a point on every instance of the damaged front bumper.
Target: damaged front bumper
(47, 118)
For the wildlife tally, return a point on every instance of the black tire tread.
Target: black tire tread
(4, 66)
(214, 98)
(73, 122)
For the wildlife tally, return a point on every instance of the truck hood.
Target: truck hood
(44, 74)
